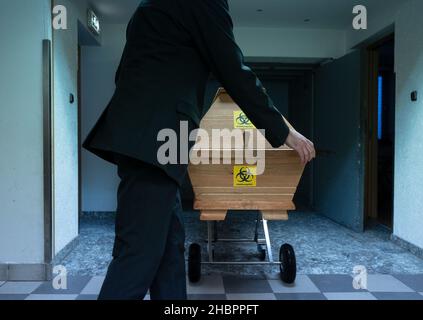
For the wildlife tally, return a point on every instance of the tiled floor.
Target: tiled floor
(216, 287)
(326, 255)
(321, 246)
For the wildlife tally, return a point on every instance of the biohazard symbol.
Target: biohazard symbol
(245, 175)
(243, 120)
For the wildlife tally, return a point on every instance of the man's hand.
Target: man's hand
(302, 145)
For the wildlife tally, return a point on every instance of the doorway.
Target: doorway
(290, 86)
(381, 132)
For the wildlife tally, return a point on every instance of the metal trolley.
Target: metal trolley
(286, 263)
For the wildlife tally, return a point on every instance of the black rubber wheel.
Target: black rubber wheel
(262, 252)
(194, 263)
(288, 265)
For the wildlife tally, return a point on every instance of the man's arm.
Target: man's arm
(119, 69)
(213, 33)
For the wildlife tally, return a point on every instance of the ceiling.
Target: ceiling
(327, 14)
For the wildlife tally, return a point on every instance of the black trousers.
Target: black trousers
(148, 252)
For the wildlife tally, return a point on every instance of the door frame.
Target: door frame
(48, 151)
(79, 116)
(370, 127)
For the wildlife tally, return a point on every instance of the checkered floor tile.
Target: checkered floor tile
(217, 287)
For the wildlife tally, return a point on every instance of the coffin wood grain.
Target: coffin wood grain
(213, 183)
(243, 205)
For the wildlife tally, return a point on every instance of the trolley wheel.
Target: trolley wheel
(194, 263)
(288, 264)
(262, 252)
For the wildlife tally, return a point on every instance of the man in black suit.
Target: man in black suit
(172, 47)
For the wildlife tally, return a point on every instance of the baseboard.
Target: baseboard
(62, 254)
(98, 215)
(417, 251)
(34, 272)
(25, 272)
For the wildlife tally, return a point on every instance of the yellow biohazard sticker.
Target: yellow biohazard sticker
(241, 121)
(245, 176)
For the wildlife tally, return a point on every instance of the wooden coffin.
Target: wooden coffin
(216, 186)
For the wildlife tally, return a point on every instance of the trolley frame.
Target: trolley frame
(213, 238)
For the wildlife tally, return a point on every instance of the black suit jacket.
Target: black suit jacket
(172, 46)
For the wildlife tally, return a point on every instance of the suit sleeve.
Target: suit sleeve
(213, 33)
(117, 74)
(119, 69)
